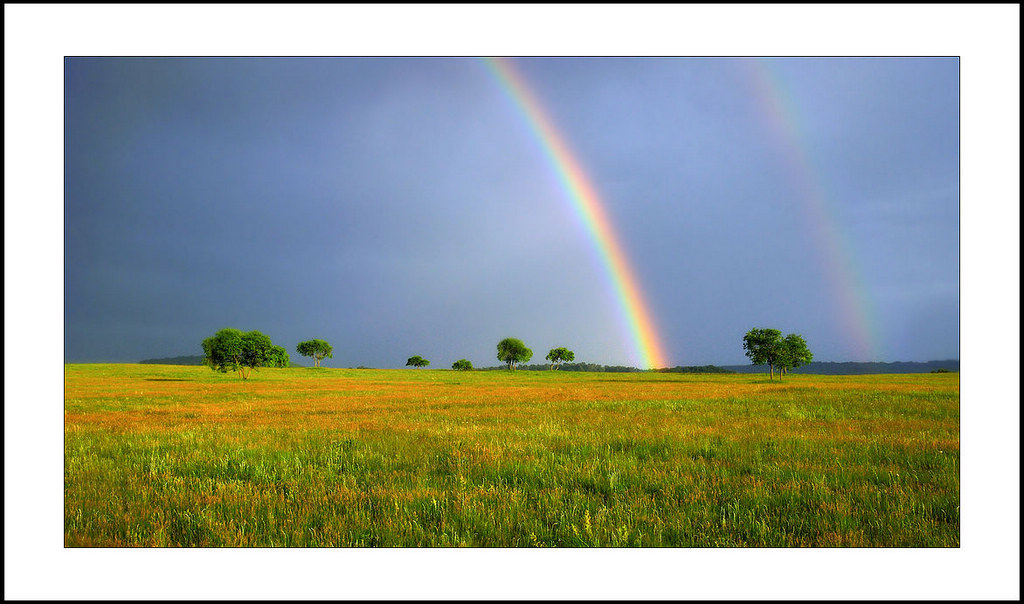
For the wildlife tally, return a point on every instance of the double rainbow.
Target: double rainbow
(590, 210)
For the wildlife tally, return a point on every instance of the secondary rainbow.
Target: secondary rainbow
(854, 309)
(590, 209)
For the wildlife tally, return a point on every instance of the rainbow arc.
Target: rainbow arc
(590, 209)
(849, 295)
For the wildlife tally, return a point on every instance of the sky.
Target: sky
(404, 206)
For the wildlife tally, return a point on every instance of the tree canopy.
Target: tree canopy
(318, 349)
(763, 347)
(462, 365)
(417, 361)
(559, 355)
(279, 357)
(231, 349)
(794, 352)
(768, 347)
(512, 351)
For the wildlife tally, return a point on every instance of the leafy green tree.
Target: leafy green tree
(559, 355)
(231, 349)
(512, 351)
(223, 350)
(462, 365)
(279, 357)
(417, 361)
(794, 353)
(318, 349)
(764, 347)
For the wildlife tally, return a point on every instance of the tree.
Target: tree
(764, 347)
(558, 355)
(318, 349)
(279, 357)
(512, 351)
(794, 353)
(417, 361)
(462, 365)
(231, 349)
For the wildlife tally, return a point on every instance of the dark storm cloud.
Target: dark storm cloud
(401, 206)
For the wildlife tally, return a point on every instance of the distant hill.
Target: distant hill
(187, 360)
(849, 368)
(697, 369)
(816, 368)
(611, 368)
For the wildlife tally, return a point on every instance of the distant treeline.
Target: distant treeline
(613, 368)
(697, 369)
(198, 360)
(850, 368)
(187, 360)
(815, 367)
(567, 367)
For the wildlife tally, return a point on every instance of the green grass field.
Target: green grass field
(171, 455)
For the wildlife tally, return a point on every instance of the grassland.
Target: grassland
(172, 455)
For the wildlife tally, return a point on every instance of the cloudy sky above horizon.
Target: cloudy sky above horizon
(401, 206)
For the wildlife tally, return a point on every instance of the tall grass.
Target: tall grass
(168, 456)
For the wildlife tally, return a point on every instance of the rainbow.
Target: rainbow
(589, 208)
(854, 309)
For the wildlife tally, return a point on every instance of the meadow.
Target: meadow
(159, 455)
